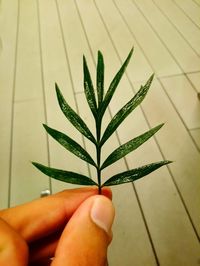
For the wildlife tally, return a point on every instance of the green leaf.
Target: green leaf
(98, 102)
(134, 174)
(126, 110)
(89, 89)
(73, 117)
(65, 176)
(100, 78)
(114, 85)
(129, 146)
(70, 145)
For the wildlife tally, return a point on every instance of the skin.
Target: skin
(58, 226)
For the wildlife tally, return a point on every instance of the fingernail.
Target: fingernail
(102, 213)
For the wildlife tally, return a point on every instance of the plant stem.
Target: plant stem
(98, 153)
(99, 179)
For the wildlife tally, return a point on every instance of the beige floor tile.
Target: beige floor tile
(196, 135)
(197, 2)
(157, 192)
(8, 29)
(56, 70)
(191, 9)
(181, 51)
(100, 40)
(28, 54)
(151, 45)
(176, 145)
(195, 79)
(184, 97)
(53, 36)
(128, 232)
(28, 86)
(29, 144)
(181, 22)
(75, 52)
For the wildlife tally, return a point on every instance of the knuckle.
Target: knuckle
(12, 245)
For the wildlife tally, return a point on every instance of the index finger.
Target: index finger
(44, 216)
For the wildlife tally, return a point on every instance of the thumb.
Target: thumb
(87, 235)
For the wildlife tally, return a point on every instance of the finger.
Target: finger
(41, 217)
(44, 249)
(13, 248)
(87, 235)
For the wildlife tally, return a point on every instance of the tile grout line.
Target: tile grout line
(25, 100)
(43, 88)
(70, 73)
(171, 174)
(176, 28)
(133, 185)
(183, 11)
(191, 83)
(196, 3)
(12, 105)
(195, 128)
(180, 74)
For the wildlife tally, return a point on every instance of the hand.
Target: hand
(73, 226)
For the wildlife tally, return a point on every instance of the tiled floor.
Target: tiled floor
(42, 42)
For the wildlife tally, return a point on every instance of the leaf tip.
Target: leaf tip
(151, 78)
(100, 53)
(56, 87)
(84, 60)
(152, 75)
(168, 161)
(132, 49)
(35, 164)
(45, 127)
(130, 53)
(160, 126)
